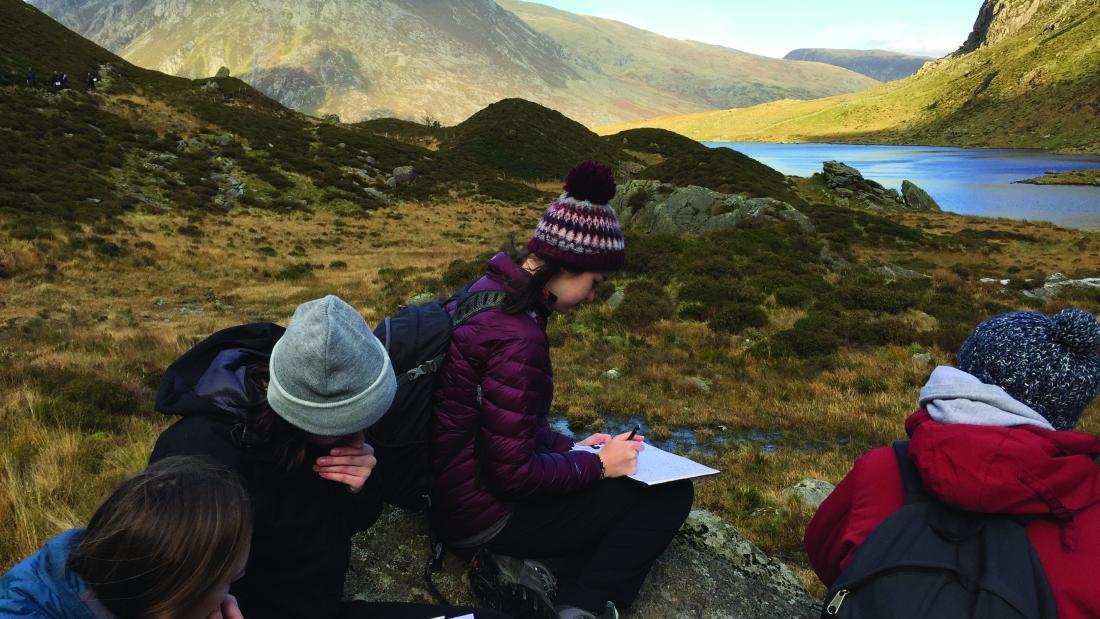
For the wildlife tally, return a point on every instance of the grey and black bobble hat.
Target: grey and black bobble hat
(330, 375)
(1050, 363)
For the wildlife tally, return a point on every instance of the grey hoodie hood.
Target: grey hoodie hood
(953, 396)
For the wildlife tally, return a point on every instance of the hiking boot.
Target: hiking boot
(522, 587)
(572, 612)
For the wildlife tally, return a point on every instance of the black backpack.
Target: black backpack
(416, 339)
(929, 560)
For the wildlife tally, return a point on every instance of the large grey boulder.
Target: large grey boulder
(917, 198)
(708, 571)
(848, 184)
(656, 207)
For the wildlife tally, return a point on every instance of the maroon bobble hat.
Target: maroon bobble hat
(580, 230)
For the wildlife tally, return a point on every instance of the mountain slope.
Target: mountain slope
(882, 65)
(1027, 78)
(708, 75)
(417, 58)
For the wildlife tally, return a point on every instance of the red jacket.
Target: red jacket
(1017, 470)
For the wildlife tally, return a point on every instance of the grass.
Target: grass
(86, 335)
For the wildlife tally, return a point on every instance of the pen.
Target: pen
(633, 432)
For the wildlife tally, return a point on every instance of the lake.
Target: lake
(970, 181)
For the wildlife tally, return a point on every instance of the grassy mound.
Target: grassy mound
(723, 170)
(527, 140)
(655, 141)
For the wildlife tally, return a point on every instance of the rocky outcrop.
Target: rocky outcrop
(917, 198)
(998, 20)
(848, 184)
(710, 570)
(1057, 283)
(655, 207)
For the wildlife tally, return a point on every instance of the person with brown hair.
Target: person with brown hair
(285, 409)
(167, 543)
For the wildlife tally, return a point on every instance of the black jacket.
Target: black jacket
(301, 541)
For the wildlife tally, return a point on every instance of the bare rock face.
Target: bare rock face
(660, 208)
(848, 184)
(1000, 19)
(709, 571)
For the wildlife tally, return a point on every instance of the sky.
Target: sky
(775, 27)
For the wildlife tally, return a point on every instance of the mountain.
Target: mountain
(444, 60)
(709, 76)
(1027, 77)
(882, 65)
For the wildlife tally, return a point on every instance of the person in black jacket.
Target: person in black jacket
(286, 410)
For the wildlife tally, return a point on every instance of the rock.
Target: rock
(893, 271)
(848, 185)
(811, 492)
(613, 374)
(655, 207)
(377, 195)
(923, 358)
(839, 175)
(917, 198)
(709, 570)
(1058, 283)
(222, 72)
(391, 182)
(211, 87)
(616, 298)
(372, 161)
(403, 175)
(420, 298)
(698, 383)
(225, 139)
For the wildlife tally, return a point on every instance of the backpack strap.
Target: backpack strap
(471, 304)
(914, 488)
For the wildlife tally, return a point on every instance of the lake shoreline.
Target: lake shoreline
(1088, 178)
(981, 182)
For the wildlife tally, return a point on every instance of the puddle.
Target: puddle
(704, 440)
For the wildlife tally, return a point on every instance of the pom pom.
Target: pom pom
(590, 181)
(1077, 330)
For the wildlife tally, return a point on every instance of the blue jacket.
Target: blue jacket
(40, 586)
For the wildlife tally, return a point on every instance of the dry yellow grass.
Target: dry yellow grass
(112, 324)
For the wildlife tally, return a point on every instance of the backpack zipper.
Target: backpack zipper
(838, 599)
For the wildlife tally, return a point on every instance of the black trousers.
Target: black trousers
(600, 542)
(392, 610)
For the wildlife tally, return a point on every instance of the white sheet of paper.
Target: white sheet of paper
(657, 466)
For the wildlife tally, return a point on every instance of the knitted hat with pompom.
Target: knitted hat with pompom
(1050, 363)
(579, 230)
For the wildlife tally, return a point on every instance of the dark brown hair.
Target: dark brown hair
(274, 446)
(519, 299)
(165, 538)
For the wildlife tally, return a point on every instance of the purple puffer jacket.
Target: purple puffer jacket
(489, 456)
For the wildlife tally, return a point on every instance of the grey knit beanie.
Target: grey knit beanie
(329, 375)
(1050, 363)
